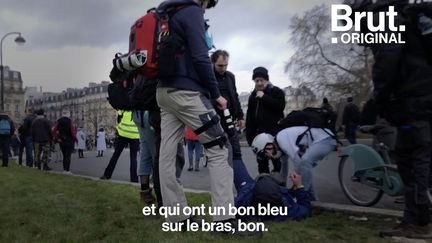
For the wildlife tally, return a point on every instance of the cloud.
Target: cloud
(71, 43)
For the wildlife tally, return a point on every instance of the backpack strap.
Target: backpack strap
(334, 136)
(300, 137)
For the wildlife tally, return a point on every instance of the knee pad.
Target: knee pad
(209, 120)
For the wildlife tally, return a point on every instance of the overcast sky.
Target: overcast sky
(72, 42)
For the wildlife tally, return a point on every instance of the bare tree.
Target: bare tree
(328, 69)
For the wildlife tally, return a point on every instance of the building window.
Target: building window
(17, 107)
(15, 75)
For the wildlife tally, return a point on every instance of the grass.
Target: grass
(42, 207)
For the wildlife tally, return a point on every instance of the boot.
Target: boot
(147, 196)
(408, 231)
(46, 168)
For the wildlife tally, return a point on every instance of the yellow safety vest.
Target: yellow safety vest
(127, 128)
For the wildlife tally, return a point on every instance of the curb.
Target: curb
(119, 182)
(357, 209)
(334, 207)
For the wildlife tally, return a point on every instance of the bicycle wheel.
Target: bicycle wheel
(358, 193)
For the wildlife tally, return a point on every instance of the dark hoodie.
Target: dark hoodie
(402, 73)
(194, 69)
(264, 113)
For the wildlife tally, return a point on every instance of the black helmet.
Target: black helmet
(212, 3)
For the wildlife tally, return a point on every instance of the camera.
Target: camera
(229, 122)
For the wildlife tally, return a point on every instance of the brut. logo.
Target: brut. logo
(383, 31)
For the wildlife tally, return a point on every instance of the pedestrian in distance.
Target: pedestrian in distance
(41, 136)
(64, 133)
(7, 129)
(101, 142)
(193, 147)
(25, 135)
(81, 143)
(351, 120)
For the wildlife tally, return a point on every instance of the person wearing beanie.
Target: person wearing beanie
(326, 105)
(265, 108)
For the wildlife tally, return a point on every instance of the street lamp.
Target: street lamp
(20, 41)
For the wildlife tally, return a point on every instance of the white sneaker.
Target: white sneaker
(67, 172)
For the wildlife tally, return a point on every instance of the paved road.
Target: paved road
(325, 174)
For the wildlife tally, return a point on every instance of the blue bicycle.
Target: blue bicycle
(366, 174)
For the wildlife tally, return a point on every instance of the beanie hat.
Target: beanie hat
(260, 72)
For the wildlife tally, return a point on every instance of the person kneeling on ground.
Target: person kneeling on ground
(266, 190)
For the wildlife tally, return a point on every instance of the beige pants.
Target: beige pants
(190, 108)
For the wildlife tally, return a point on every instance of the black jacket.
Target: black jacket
(402, 73)
(351, 114)
(232, 97)
(25, 128)
(194, 69)
(41, 130)
(263, 114)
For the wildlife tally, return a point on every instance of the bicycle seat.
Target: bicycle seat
(372, 129)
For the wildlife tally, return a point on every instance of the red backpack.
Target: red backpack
(150, 33)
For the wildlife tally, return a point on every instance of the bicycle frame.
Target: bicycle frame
(370, 169)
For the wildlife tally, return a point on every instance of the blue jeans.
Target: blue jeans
(241, 175)
(313, 154)
(148, 143)
(350, 133)
(149, 149)
(194, 145)
(29, 148)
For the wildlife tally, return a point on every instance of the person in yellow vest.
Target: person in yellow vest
(127, 133)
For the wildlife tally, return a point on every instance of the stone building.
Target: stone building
(13, 94)
(87, 107)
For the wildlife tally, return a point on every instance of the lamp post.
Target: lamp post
(20, 41)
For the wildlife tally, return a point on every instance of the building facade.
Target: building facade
(13, 94)
(87, 107)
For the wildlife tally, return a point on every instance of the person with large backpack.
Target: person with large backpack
(26, 139)
(64, 133)
(186, 86)
(402, 78)
(306, 146)
(307, 136)
(7, 129)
